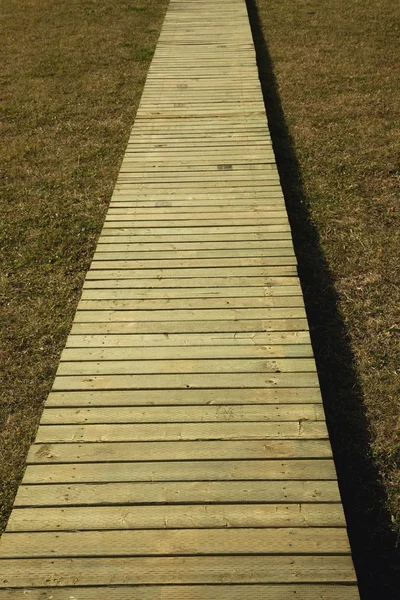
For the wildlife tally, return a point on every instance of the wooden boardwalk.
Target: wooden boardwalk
(183, 451)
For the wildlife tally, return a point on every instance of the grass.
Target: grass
(72, 78)
(330, 77)
(73, 72)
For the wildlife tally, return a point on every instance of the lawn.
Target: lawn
(330, 73)
(73, 73)
(72, 76)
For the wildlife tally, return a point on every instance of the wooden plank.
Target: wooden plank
(198, 282)
(216, 130)
(211, 470)
(168, 327)
(242, 122)
(131, 432)
(155, 179)
(196, 239)
(188, 211)
(121, 323)
(200, 127)
(185, 397)
(189, 450)
(248, 181)
(177, 205)
(192, 258)
(189, 111)
(184, 381)
(193, 492)
(197, 161)
(216, 135)
(214, 101)
(217, 153)
(147, 146)
(176, 542)
(191, 293)
(165, 187)
(218, 195)
(168, 162)
(178, 414)
(193, 303)
(167, 570)
(207, 365)
(206, 107)
(279, 263)
(194, 249)
(206, 76)
(150, 147)
(174, 203)
(274, 262)
(292, 591)
(263, 168)
(181, 127)
(152, 177)
(279, 223)
(194, 516)
(190, 339)
(191, 273)
(201, 168)
(186, 352)
(219, 231)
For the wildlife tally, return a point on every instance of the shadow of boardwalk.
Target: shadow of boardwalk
(372, 543)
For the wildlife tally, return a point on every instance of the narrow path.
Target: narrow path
(183, 451)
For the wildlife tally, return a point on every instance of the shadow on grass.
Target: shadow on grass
(372, 543)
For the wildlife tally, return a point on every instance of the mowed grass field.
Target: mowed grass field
(72, 76)
(73, 73)
(331, 81)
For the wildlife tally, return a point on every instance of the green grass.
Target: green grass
(332, 88)
(73, 72)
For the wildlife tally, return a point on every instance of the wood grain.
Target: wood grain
(183, 451)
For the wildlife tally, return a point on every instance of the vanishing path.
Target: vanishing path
(183, 452)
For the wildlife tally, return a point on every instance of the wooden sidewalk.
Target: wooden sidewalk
(183, 451)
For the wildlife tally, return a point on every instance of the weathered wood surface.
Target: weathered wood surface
(183, 451)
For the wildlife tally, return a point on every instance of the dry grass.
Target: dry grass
(335, 124)
(73, 73)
